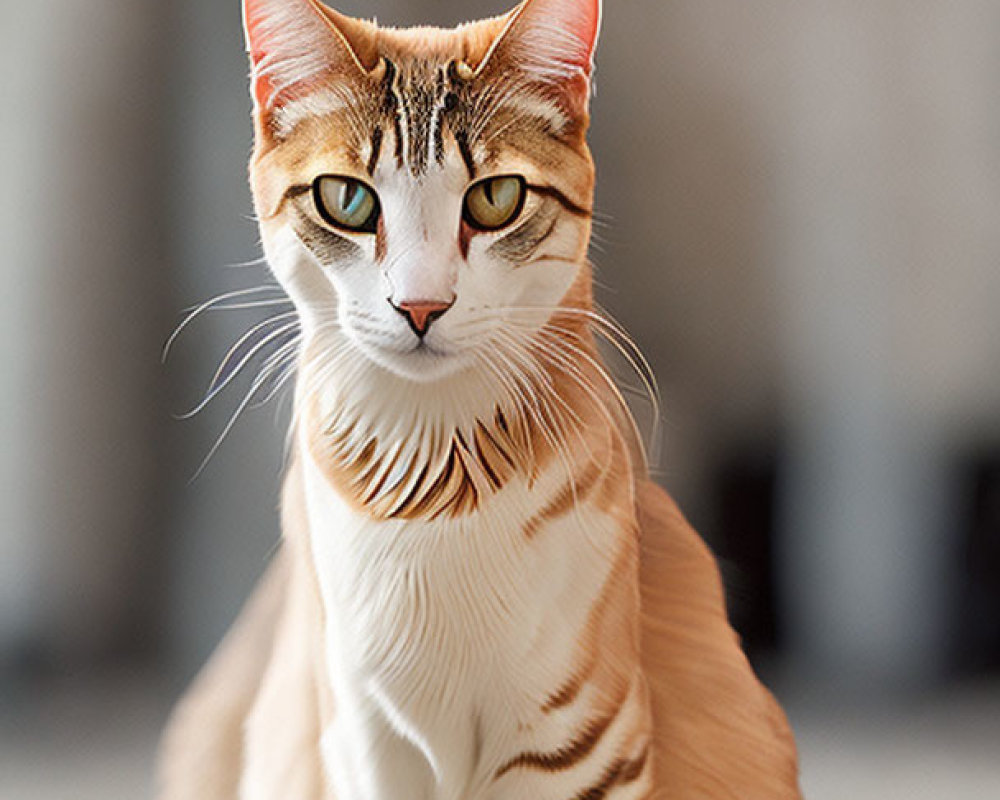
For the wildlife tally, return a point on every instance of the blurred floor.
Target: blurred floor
(96, 742)
(88, 741)
(945, 748)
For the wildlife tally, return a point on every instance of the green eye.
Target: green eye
(495, 202)
(346, 203)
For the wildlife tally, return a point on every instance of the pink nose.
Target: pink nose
(421, 313)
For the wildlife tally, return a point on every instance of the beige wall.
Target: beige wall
(81, 249)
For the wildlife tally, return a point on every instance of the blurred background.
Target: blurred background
(800, 226)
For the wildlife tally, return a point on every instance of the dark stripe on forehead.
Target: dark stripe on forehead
(440, 109)
(388, 84)
(439, 141)
(376, 150)
(390, 107)
(462, 140)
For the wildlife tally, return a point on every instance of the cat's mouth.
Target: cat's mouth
(421, 361)
(424, 347)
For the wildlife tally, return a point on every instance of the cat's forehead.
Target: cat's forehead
(414, 112)
(429, 45)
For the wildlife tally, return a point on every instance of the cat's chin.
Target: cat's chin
(421, 364)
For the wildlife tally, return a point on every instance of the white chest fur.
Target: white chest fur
(444, 638)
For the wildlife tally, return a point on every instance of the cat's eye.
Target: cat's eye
(346, 203)
(494, 203)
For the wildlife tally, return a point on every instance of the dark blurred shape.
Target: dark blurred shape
(977, 646)
(743, 489)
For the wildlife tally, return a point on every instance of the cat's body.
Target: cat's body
(481, 596)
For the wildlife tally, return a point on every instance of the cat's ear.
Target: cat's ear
(553, 42)
(296, 45)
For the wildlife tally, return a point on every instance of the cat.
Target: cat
(480, 593)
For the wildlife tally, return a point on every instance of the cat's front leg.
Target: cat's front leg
(367, 759)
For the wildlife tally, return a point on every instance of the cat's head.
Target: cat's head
(424, 195)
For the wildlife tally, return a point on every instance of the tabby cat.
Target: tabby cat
(480, 594)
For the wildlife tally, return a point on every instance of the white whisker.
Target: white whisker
(218, 383)
(208, 304)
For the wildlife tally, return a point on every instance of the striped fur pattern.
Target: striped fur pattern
(481, 596)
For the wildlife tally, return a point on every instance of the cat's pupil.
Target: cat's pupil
(351, 197)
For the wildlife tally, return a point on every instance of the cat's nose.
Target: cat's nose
(421, 313)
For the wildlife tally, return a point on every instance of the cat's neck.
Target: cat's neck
(398, 449)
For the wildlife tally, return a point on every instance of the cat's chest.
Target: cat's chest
(478, 592)
(444, 638)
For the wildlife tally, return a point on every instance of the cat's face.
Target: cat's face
(424, 195)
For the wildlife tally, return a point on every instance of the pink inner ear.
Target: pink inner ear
(564, 31)
(290, 44)
(255, 14)
(585, 24)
